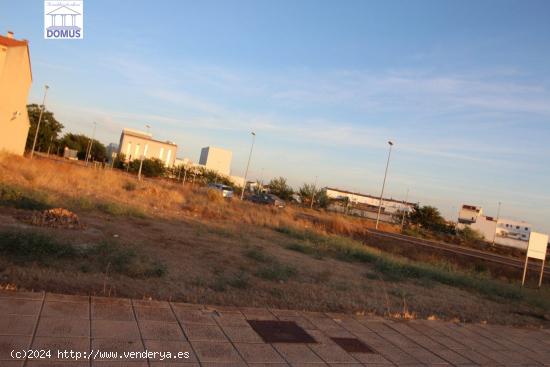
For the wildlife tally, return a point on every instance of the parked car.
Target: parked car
(268, 199)
(226, 191)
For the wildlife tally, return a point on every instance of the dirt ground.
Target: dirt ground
(211, 264)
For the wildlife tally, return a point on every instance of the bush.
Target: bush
(14, 197)
(152, 167)
(33, 247)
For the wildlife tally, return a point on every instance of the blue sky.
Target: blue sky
(463, 87)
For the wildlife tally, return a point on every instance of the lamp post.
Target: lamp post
(404, 211)
(46, 87)
(496, 225)
(89, 152)
(248, 164)
(383, 184)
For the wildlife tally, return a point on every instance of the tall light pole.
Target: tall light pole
(404, 211)
(89, 152)
(383, 184)
(496, 225)
(46, 87)
(248, 164)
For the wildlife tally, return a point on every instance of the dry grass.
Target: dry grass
(118, 193)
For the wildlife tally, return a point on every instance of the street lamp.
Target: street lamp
(496, 225)
(143, 156)
(248, 164)
(383, 184)
(89, 152)
(46, 87)
(313, 193)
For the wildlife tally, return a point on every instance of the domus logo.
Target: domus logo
(64, 19)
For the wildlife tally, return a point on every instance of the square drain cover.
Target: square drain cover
(352, 345)
(272, 331)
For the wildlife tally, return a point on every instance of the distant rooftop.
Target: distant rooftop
(144, 135)
(368, 196)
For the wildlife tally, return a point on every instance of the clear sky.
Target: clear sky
(462, 87)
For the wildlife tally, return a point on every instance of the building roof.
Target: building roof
(63, 10)
(12, 42)
(471, 207)
(146, 136)
(369, 196)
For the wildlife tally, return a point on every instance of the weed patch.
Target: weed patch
(257, 254)
(17, 198)
(276, 272)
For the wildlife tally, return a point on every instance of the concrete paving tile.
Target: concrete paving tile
(321, 321)
(278, 313)
(475, 357)
(66, 297)
(297, 353)
(57, 327)
(120, 364)
(161, 330)
(21, 295)
(112, 311)
(111, 300)
(191, 306)
(115, 344)
(425, 356)
(332, 354)
(258, 314)
(258, 353)
(46, 363)
(242, 334)
(16, 306)
(371, 358)
(174, 347)
(208, 351)
(120, 329)
(58, 309)
(377, 326)
(150, 303)
(8, 343)
(452, 357)
(204, 332)
(320, 337)
(300, 321)
(230, 318)
(154, 314)
(397, 356)
(187, 316)
(17, 325)
(13, 363)
(57, 346)
(338, 333)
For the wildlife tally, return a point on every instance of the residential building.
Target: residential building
(216, 159)
(15, 82)
(135, 144)
(365, 205)
(504, 231)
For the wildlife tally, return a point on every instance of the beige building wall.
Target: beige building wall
(134, 144)
(15, 82)
(216, 159)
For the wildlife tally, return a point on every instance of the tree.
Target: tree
(307, 192)
(49, 131)
(80, 142)
(430, 218)
(152, 167)
(279, 187)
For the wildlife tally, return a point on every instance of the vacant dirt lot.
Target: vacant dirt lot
(161, 240)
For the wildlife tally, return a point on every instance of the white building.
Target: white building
(136, 144)
(506, 232)
(389, 206)
(216, 159)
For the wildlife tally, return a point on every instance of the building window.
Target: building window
(517, 227)
(161, 153)
(168, 157)
(137, 151)
(145, 150)
(128, 149)
(526, 228)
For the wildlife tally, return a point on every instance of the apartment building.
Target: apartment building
(216, 159)
(15, 82)
(134, 144)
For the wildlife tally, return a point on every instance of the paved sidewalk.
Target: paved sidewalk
(222, 336)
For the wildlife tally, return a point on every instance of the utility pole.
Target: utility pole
(313, 193)
(248, 164)
(46, 87)
(89, 152)
(383, 185)
(404, 211)
(496, 225)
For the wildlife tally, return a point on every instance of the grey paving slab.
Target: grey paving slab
(221, 336)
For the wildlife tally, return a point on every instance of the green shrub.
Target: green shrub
(276, 272)
(257, 253)
(33, 247)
